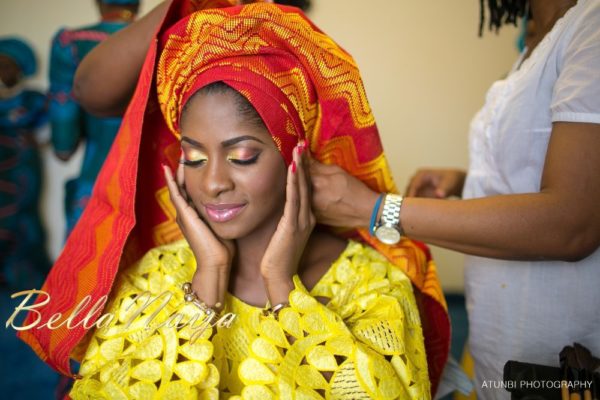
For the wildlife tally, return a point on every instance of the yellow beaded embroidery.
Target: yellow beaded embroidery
(365, 343)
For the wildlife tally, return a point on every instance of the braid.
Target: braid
(502, 12)
(304, 5)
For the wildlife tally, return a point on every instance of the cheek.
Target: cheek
(267, 185)
(192, 180)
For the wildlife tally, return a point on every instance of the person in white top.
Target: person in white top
(530, 215)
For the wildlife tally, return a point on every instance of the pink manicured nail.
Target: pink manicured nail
(294, 167)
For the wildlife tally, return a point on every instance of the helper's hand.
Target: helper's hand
(213, 255)
(436, 183)
(283, 254)
(339, 199)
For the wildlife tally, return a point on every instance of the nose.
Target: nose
(217, 179)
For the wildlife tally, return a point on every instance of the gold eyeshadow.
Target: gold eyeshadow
(241, 154)
(192, 154)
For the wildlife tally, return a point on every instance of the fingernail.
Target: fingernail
(294, 167)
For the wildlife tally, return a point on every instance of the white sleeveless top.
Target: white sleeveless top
(528, 311)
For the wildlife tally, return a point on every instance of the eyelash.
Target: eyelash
(196, 163)
(189, 163)
(249, 161)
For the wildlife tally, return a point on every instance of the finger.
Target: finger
(180, 177)
(187, 217)
(182, 207)
(306, 161)
(304, 208)
(290, 211)
(174, 192)
(417, 183)
(411, 189)
(318, 168)
(445, 186)
(309, 158)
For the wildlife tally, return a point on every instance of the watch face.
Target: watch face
(387, 235)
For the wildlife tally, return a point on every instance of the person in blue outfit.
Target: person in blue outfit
(71, 125)
(23, 257)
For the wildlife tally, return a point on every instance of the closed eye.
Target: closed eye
(193, 157)
(193, 163)
(247, 161)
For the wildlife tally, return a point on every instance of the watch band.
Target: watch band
(388, 230)
(390, 216)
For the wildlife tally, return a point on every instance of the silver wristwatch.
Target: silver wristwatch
(388, 229)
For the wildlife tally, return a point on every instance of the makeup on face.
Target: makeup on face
(238, 152)
(223, 212)
(234, 173)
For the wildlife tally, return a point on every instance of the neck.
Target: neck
(546, 12)
(251, 249)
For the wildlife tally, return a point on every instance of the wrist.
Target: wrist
(213, 265)
(210, 286)
(278, 289)
(364, 213)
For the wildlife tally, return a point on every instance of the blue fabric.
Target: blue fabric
(21, 53)
(522, 35)
(71, 125)
(24, 260)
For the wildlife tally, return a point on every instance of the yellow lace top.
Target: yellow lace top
(366, 343)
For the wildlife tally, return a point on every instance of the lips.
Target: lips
(223, 212)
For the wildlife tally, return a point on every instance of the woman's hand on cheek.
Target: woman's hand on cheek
(281, 259)
(213, 255)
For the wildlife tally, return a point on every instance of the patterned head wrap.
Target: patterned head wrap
(21, 53)
(301, 83)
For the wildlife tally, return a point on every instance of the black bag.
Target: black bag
(531, 381)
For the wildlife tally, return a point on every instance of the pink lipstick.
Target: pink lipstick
(223, 212)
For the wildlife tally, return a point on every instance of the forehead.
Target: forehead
(216, 116)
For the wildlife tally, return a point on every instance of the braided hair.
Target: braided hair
(502, 12)
(304, 5)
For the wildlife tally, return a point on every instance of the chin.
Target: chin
(228, 232)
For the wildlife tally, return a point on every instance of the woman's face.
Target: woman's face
(234, 173)
(10, 72)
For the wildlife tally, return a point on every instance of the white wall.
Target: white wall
(425, 70)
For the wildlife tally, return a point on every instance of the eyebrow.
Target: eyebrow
(226, 143)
